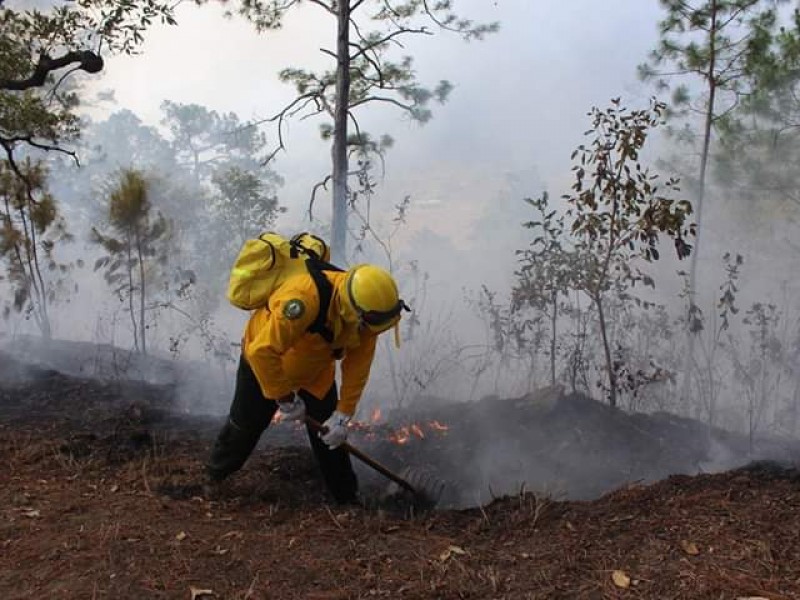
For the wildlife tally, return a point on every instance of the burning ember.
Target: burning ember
(373, 429)
(404, 434)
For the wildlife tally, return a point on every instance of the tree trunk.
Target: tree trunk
(341, 113)
(612, 378)
(141, 291)
(30, 266)
(701, 192)
(553, 321)
(129, 266)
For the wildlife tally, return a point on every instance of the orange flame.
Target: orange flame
(417, 430)
(438, 426)
(401, 436)
(376, 415)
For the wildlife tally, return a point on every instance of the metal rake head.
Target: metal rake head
(428, 488)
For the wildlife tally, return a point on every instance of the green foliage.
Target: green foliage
(136, 246)
(712, 40)
(548, 265)
(244, 204)
(35, 108)
(30, 229)
(760, 145)
(617, 208)
(618, 215)
(205, 141)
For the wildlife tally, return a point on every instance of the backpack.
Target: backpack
(266, 262)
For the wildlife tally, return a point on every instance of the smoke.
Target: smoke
(506, 134)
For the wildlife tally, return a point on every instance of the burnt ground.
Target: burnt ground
(101, 497)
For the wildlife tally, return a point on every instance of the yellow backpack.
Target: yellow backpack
(267, 261)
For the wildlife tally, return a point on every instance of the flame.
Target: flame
(373, 429)
(401, 436)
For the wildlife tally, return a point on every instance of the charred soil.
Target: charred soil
(102, 497)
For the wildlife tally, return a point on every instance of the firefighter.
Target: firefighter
(285, 367)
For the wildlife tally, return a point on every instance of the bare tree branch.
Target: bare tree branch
(374, 60)
(8, 144)
(321, 184)
(280, 117)
(387, 38)
(406, 107)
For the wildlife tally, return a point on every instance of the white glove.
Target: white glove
(293, 408)
(337, 430)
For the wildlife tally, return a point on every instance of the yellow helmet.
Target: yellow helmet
(371, 295)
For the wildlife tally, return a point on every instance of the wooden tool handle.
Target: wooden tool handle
(365, 458)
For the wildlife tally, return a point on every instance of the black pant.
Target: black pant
(251, 414)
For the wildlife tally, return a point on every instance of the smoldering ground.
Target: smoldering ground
(556, 444)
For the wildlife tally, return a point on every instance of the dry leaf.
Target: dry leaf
(31, 513)
(180, 536)
(451, 550)
(752, 598)
(114, 488)
(621, 579)
(690, 548)
(198, 592)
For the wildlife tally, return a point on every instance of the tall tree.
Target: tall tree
(245, 204)
(702, 57)
(759, 142)
(206, 142)
(705, 47)
(363, 74)
(137, 238)
(30, 229)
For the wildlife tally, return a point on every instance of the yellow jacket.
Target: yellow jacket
(285, 357)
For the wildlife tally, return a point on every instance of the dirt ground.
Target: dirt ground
(101, 497)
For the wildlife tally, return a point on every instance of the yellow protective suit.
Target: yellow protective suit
(285, 357)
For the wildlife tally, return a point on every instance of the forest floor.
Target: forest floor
(101, 496)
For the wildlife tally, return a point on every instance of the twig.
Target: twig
(251, 588)
(484, 513)
(333, 518)
(144, 477)
(321, 184)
